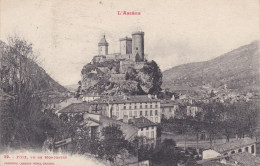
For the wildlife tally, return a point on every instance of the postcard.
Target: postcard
(129, 82)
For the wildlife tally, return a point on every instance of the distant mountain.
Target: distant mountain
(238, 69)
(72, 87)
(44, 81)
(50, 83)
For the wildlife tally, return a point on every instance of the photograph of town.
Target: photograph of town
(129, 83)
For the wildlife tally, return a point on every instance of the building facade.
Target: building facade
(193, 110)
(168, 110)
(146, 129)
(134, 107)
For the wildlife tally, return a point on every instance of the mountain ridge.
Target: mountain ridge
(239, 69)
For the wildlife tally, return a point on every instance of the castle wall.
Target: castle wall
(118, 56)
(124, 65)
(126, 57)
(113, 56)
(98, 58)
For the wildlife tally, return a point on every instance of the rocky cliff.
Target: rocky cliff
(107, 78)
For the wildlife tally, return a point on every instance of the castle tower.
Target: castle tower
(138, 46)
(125, 46)
(103, 46)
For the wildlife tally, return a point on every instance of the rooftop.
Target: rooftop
(66, 103)
(125, 38)
(243, 158)
(141, 122)
(138, 33)
(129, 99)
(222, 148)
(167, 105)
(103, 41)
(129, 130)
(79, 108)
(246, 159)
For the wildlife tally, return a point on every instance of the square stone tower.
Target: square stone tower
(126, 45)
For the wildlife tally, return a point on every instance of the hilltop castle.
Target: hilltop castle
(131, 56)
(131, 52)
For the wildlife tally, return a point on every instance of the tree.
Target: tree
(196, 125)
(242, 118)
(165, 154)
(23, 124)
(153, 70)
(18, 56)
(113, 142)
(228, 125)
(64, 117)
(123, 155)
(77, 95)
(212, 117)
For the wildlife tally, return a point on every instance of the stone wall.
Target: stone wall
(98, 58)
(117, 77)
(124, 65)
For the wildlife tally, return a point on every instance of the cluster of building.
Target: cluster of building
(136, 115)
(224, 95)
(140, 115)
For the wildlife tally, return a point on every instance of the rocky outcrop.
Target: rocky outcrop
(107, 78)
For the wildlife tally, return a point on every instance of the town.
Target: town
(200, 125)
(120, 115)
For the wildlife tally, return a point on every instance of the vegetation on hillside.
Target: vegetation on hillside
(238, 69)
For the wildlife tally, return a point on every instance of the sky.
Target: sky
(65, 33)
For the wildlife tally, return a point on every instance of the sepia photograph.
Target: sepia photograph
(129, 83)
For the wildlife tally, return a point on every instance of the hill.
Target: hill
(238, 69)
(9, 73)
(72, 87)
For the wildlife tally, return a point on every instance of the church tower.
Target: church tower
(103, 46)
(138, 46)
